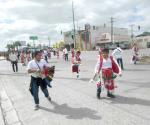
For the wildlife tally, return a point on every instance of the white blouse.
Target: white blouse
(106, 64)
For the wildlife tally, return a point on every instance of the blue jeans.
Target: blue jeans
(120, 62)
(15, 64)
(35, 83)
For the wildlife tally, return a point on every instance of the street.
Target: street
(74, 100)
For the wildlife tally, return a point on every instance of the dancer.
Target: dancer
(105, 69)
(76, 61)
(135, 50)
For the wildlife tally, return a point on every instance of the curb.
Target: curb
(1, 115)
(8, 111)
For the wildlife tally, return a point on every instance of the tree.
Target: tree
(28, 45)
(17, 44)
(144, 34)
(10, 46)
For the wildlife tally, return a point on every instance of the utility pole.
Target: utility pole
(132, 34)
(74, 27)
(49, 40)
(112, 31)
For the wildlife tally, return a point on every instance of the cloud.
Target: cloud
(20, 19)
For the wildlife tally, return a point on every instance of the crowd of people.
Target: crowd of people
(108, 67)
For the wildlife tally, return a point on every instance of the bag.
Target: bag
(49, 72)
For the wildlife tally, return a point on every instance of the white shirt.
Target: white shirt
(106, 64)
(45, 53)
(13, 57)
(65, 51)
(117, 53)
(33, 64)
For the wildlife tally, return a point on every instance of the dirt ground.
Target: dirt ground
(145, 59)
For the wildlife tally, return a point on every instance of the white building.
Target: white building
(143, 41)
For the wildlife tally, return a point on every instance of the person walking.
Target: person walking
(23, 58)
(117, 53)
(72, 52)
(106, 68)
(57, 53)
(66, 54)
(45, 54)
(36, 69)
(135, 50)
(14, 60)
(28, 56)
(76, 61)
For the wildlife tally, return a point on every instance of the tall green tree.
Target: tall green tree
(10, 46)
(17, 44)
(28, 45)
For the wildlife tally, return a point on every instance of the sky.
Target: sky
(20, 19)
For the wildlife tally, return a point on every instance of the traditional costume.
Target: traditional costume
(72, 52)
(107, 70)
(28, 57)
(23, 58)
(135, 56)
(76, 60)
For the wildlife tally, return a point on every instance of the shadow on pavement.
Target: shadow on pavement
(129, 100)
(72, 113)
(69, 78)
(139, 83)
(132, 70)
(14, 74)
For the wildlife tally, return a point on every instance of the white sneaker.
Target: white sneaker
(91, 81)
(36, 107)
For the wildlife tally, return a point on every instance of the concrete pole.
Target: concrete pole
(112, 32)
(74, 27)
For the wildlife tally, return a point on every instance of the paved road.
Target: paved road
(74, 100)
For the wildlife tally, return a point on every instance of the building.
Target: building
(93, 36)
(101, 36)
(143, 41)
(69, 39)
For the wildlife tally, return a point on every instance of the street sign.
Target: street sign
(33, 38)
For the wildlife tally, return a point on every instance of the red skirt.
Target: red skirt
(107, 75)
(75, 68)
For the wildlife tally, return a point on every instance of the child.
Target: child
(135, 50)
(76, 61)
(107, 66)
